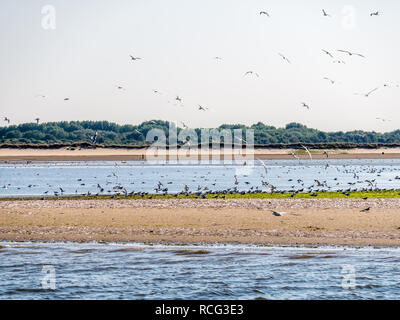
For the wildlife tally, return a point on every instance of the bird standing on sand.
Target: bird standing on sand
(277, 214)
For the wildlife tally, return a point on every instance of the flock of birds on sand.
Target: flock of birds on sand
(209, 185)
(179, 101)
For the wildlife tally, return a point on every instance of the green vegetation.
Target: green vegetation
(264, 195)
(79, 133)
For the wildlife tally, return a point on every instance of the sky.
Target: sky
(87, 56)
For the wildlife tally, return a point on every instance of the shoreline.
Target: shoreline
(109, 154)
(309, 222)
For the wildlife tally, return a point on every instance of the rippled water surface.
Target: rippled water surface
(70, 178)
(139, 271)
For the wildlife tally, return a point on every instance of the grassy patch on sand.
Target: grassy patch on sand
(262, 195)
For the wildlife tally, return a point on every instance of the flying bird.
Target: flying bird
(309, 153)
(217, 58)
(305, 105)
(66, 99)
(134, 58)
(264, 13)
(351, 53)
(284, 58)
(331, 81)
(367, 94)
(202, 108)
(374, 13)
(325, 14)
(264, 165)
(120, 88)
(178, 99)
(328, 53)
(251, 72)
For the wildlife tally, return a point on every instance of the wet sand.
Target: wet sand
(102, 154)
(249, 221)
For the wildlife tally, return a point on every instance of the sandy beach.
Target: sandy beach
(248, 221)
(102, 154)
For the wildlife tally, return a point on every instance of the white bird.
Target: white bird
(178, 99)
(351, 53)
(37, 120)
(309, 153)
(284, 58)
(328, 53)
(134, 58)
(7, 120)
(331, 81)
(325, 14)
(305, 105)
(374, 13)
(202, 108)
(367, 94)
(235, 180)
(264, 13)
(264, 165)
(251, 72)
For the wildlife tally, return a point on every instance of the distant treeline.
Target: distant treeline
(80, 133)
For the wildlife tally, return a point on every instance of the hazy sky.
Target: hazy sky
(87, 56)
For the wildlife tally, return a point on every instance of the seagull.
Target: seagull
(134, 58)
(309, 153)
(339, 61)
(264, 13)
(325, 14)
(94, 138)
(251, 72)
(351, 53)
(305, 105)
(184, 125)
(37, 120)
(217, 58)
(264, 165)
(178, 99)
(328, 53)
(120, 88)
(294, 156)
(332, 81)
(374, 14)
(284, 58)
(367, 94)
(156, 91)
(202, 108)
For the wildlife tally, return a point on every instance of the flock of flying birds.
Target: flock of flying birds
(178, 99)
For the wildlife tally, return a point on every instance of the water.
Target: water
(139, 271)
(43, 178)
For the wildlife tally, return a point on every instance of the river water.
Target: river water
(74, 178)
(140, 271)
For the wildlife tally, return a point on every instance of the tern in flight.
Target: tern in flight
(328, 53)
(325, 14)
(264, 13)
(305, 105)
(251, 72)
(309, 153)
(184, 125)
(134, 58)
(331, 81)
(351, 53)
(178, 99)
(367, 94)
(374, 14)
(217, 58)
(66, 99)
(202, 108)
(264, 165)
(284, 58)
